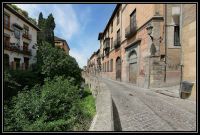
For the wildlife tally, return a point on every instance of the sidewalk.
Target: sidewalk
(172, 91)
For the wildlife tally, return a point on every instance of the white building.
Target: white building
(20, 38)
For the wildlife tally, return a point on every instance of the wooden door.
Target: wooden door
(118, 69)
(133, 72)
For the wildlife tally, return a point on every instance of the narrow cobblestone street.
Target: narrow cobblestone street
(144, 110)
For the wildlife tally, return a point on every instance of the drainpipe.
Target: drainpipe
(181, 17)
(165, 25)
(120, 41)
(149, 74)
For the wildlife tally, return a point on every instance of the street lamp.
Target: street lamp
(149, 29)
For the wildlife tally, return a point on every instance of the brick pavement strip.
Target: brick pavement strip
(145, 110)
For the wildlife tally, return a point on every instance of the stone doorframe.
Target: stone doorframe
(131, 49)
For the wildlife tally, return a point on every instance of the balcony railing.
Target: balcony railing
(106, 43)
(27, 36)
(26, 51)
(130, 31)
(117, 42)
(17, 49)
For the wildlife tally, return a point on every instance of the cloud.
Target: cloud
(65, 17)
(66, 21)
(71, 25)
(32, 9)
(85, 49)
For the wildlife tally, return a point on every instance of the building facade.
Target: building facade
(188, 43)
(93, 64)
(141, 45)
(20, 39)
(62, 44)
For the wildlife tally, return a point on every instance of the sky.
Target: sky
(78, 24)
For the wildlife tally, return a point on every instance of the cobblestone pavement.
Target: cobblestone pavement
(145, 110)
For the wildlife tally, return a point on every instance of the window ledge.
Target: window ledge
(174, 47)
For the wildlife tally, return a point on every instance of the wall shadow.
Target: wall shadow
(116, 119)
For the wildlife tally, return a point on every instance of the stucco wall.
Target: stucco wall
(189, 45)
(32, 32)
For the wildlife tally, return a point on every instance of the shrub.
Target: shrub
(44, 108)
(11, 86)
(16, 80)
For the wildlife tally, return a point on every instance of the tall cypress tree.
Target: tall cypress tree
(41, 25)
(50, 24)
(47, 27)
(40, 20)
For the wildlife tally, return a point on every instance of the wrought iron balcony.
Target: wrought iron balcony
(11, 47)
(106, 44)
(26, 51)
(117, 42)
(15, 48)
(130, 31)
(27, 36)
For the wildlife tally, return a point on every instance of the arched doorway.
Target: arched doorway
(132, 58)
(118, 68)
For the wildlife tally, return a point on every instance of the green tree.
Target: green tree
(50, 107)
(10, 86)
(53, 61)
(47, 27)
(41, 21)
(50, 26)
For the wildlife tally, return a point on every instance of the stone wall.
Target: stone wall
(103, 120)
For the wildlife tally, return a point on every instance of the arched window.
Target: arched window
(132, 57)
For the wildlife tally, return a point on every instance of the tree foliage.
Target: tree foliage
(51, 107)
(10, 85)
(47, 27)
(53, 61)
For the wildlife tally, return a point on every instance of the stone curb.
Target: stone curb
(103, 120)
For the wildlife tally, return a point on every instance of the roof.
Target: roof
(21, 16)
(60, 39)
(111, 18)
(100, 35)
(94, 53)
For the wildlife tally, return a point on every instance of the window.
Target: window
(17, 33)
(111, 43)
(26, 62)
(6, 21)
(105, 67)
(133, 20)
(117, 17)
(26, 30)
(6, 41)
(25, 46)
(118, 35)
(111, 27)
(176, 36)
(17, 61)
(111, 65)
